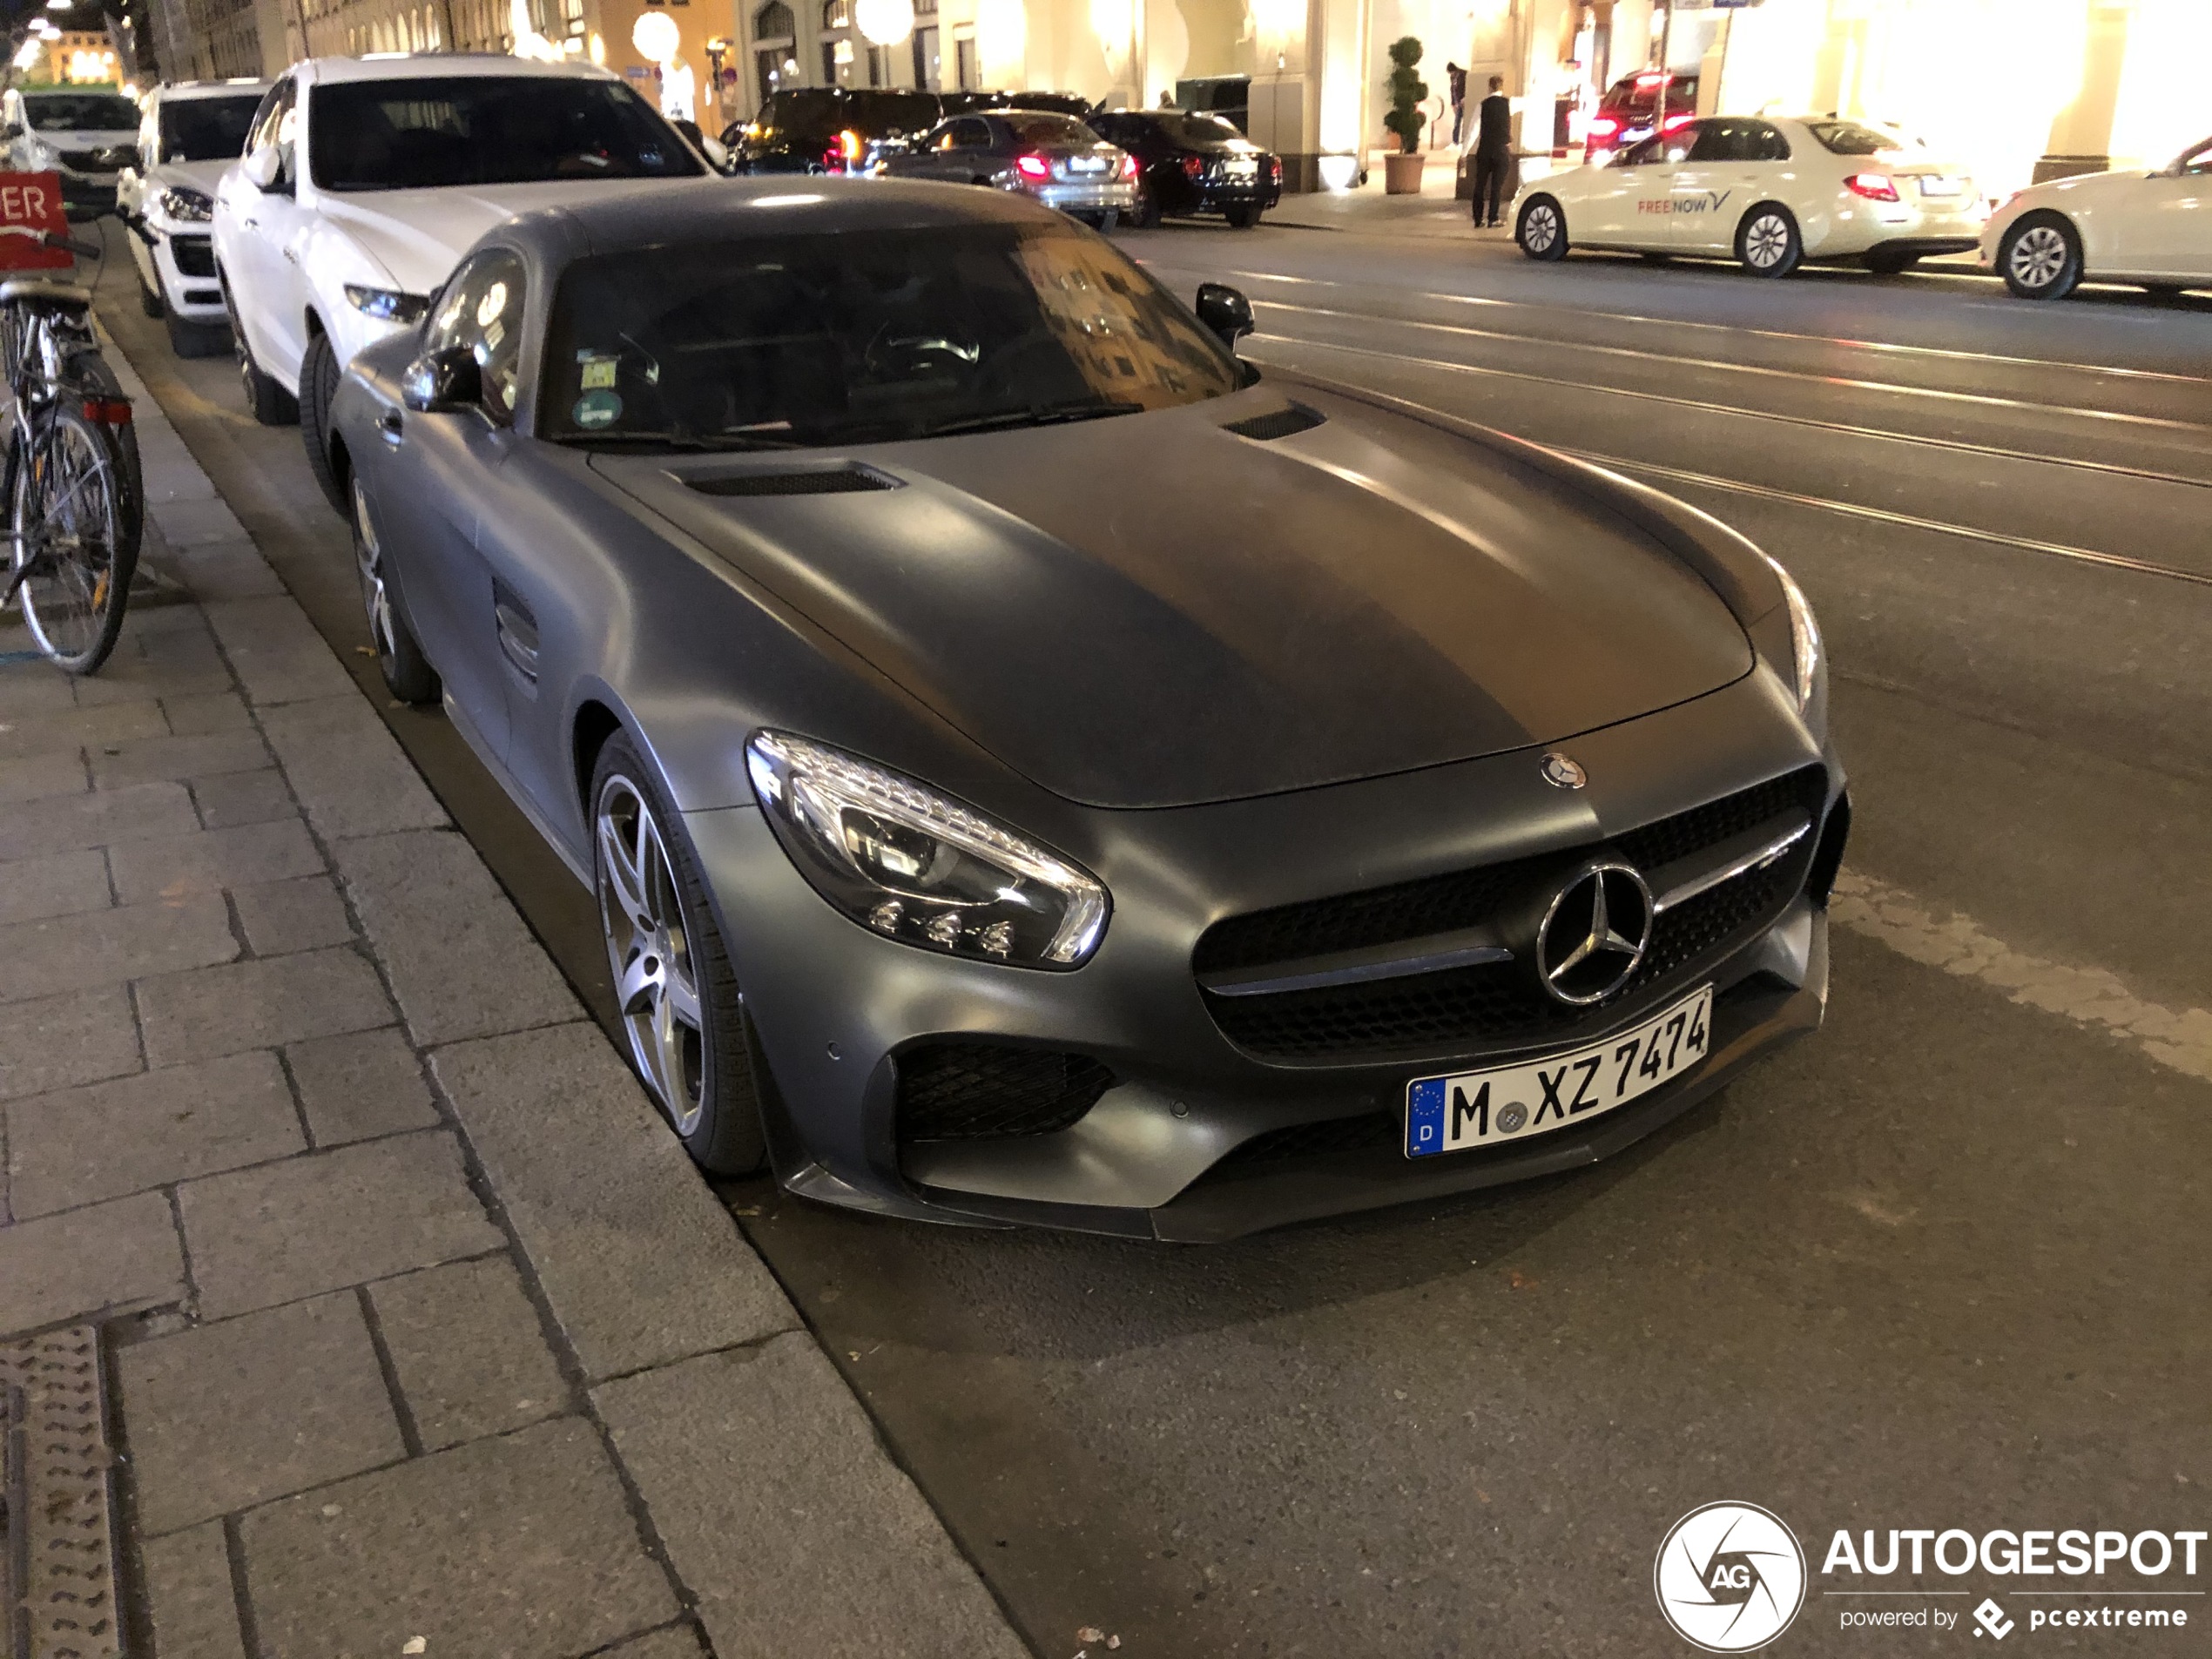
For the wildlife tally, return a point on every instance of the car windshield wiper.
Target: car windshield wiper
(1040, 414)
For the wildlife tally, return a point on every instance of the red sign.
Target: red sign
(31, 206)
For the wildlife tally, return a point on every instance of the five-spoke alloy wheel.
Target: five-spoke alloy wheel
(2040, 258)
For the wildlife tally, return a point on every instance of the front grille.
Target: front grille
(195, 255)
(975, 1091)
(1493, 1005)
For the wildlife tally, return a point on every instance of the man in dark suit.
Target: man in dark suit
(1493, 150)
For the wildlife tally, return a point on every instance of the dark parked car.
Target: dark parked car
(1055, 102)
(1193, 164)
(828, 129)
(1368, 807)
(1055, 158)
(1629, 113)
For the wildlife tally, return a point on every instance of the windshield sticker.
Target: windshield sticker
(599, 371)
(598, 409)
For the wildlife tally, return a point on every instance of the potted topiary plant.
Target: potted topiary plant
(1402, 172)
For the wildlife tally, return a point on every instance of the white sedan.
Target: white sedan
(1769, 192)
(2154, 229)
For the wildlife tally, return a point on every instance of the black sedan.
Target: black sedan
(1369, 807)
(1194, 164)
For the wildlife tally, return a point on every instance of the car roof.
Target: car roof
(187, 91)
(396, 66)
(680, 211)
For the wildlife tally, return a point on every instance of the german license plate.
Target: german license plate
(1242, 169)
(1940, 186)
(1087, 163)
(1471, 1109)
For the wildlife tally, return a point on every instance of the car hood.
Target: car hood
(202, 176)
(418, 236)
(2078, 187)
(1150, 610)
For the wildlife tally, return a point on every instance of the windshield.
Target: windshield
(1850, 138)
(1197, 129)
(866, 336)
(81, 112)
(206, 129)
(1038, 128)
(485, 129)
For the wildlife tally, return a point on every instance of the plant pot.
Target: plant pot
(1402, 174)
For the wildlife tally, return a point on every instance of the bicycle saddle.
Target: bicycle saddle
(43, 288)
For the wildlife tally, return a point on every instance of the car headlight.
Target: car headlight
(905, 861)
(185, 204)
(388, 304)
(1804, 636)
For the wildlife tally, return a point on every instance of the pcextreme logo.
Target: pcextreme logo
(1729, 1577)
(1709, 203)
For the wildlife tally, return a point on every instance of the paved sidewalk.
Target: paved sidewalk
(423, 1336)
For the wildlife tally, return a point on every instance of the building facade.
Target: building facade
(2019, 89)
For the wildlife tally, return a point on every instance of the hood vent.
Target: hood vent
(1282, 423)
(820, 480)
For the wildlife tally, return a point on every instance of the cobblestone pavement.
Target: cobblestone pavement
(423, 1335)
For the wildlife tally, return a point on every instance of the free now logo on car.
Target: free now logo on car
(1709, 203)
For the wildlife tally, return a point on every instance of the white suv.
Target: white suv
(191, 133)
(365, 180)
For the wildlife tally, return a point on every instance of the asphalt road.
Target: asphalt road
(1942, 1265)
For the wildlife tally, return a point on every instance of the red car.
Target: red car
(1630, 112)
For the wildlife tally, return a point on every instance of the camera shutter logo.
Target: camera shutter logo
(1729, 1577)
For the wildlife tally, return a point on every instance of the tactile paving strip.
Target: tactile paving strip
(58, 1569)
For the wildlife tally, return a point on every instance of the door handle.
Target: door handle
(250, 223)
(390, 426)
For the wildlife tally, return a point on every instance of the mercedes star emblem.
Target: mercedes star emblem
(1563, 771)
(1595, 934)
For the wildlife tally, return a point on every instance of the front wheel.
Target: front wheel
(407, 674)
(1145, 216)
(1767, 242)
(1541, 229)
(2040, 258)
(269, 403)
(675, 995)
(75, 552)
(150, 299)
(318, 385)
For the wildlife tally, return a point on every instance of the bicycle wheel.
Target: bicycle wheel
(67, 499)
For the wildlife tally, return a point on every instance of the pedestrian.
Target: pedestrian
(1456, 79)
(1493, 151)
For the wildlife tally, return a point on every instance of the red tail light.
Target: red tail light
(1875, 186)
(1194, 166)
(1033, 167)
(1128, 167)
(1650, 79)
(1674, 122)
(1274, 169)
(1605, 126)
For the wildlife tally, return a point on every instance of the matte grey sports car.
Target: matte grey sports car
(1033, 768)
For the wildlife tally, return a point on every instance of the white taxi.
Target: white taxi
(1770, 191)
(2152, 229)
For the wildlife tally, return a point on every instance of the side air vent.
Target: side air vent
(828, 481)
(1265, 429)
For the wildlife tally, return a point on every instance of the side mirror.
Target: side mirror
(440, 382)
(264, 168)
(13, 130)
(1226, 311)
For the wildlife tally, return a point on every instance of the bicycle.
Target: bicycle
(75, 505)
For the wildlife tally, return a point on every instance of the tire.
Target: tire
(150, 300)
(1242, 216)
(1146, 215)
(318, 385)
(74, 613)
(269, 402)
(2040, 257)
(407, 674)
(684, 1022)
(93, 370)
(1767, 241)
(1541, 229)
(1891, 264)
(198, 339)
